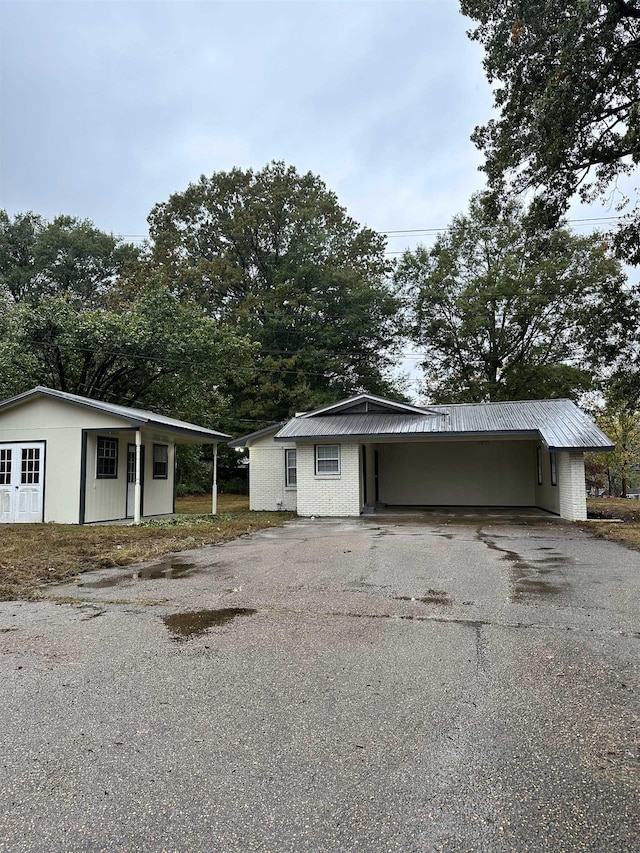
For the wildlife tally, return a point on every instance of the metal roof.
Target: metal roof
(366, 400)
(242, 442)
(559, 423)
(134, 417)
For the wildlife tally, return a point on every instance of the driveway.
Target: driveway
(330, 686)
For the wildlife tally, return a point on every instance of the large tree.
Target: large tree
(272, 254)
(567, 92)
(66, 257)
(81, 311)
(504, 312)
(152, 351)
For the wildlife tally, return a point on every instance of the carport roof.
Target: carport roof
(192, 433)
(560, 424)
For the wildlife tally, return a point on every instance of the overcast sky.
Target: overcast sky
(109, 107)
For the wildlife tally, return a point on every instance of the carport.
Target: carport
(366, 453)
(498, 472)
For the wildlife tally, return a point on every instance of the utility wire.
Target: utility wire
(418, 231)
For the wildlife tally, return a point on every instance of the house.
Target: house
(73, 460)
(367, 452)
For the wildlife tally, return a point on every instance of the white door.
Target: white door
(21, 482)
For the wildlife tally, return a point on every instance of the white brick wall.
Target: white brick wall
(571, 485)
(327, 494)
(267, 477)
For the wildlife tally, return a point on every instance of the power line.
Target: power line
(427, 230)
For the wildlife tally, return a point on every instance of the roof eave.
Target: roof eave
(206, 436)
(408, 436)
(242, 441)
(592, 448)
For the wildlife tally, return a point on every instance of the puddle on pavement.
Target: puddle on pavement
(528, 577)
(159, 571)
(432, 596)
(184, 626)
(534, 586)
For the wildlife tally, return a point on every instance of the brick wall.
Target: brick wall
(571, 485)
(267, 489)
(329, 494)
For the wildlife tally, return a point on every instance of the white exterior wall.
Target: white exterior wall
(547, 496)
(60, 426)
(158, 494)
(106, 499)
(329, 494)
(267, 489)
(571, 486)
(458, 473)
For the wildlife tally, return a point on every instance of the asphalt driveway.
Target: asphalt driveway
(333, 685)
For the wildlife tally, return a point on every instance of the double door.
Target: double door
(21, 482)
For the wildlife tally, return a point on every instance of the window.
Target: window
(291, 470)
(160, 461)
(30, 473)
(554, 468)
(539, 460)
(327, 458)
(5, 466)
(107, 459)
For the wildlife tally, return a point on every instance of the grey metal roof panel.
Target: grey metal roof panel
(560, 424)
(136, 417)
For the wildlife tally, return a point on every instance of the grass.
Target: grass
(32, 555)
(627, 531)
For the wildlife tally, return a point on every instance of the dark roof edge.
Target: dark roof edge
(242, 441)
(407, 436)
(336, 408)
(599, 448)
(94, 405)
(84, 403)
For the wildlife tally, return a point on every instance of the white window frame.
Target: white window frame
(320, 451)
(289, 482)
(553, 468)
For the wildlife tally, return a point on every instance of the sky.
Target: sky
(109, 107)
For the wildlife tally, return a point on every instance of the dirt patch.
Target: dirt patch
(607, 510)
(37, 554)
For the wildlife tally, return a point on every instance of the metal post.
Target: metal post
(214, 490)
(137, 494)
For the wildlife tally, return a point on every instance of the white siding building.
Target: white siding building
(367, 453)
(71, 459)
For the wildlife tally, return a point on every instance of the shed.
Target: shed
(365, 453)
(74, 460)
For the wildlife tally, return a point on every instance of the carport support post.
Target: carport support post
(214, 489)
(137, 493)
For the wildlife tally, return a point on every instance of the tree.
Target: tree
(567, 92)
(622, 424)
(66, 257)
(153, 351)
(504, 312)
(273, 255)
